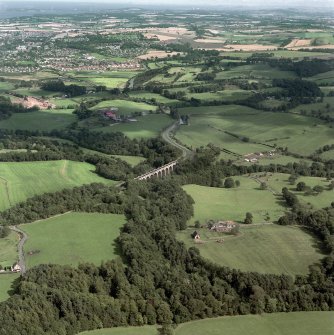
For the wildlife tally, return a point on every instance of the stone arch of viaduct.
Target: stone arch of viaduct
(159, 172)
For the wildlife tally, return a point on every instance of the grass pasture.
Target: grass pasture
(8, 249)
(258, 71)
(19, 181)
(41, 120)
(297, 323)
(72, 238)
(300, 323)
(153, 96)
(233, 203)
(126, 107)
(6, 282)
(279, 180)
(132, 160)
(267, 248)
(301, 134)
(110, 79)
(148, 126)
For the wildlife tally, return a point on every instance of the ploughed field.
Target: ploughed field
(301, 323)
(72, 238)
(19, 181)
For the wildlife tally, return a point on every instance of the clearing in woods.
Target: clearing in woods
(72, 238)
(22, 180)
(267, 248)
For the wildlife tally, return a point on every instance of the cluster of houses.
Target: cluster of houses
(15, 268)
(218, 227)
(254, 157)
(111, 114)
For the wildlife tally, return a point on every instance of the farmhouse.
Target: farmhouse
(195, 235)
(223, 226)
(110, 114)
(16, 268)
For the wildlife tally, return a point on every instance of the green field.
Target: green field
(132, 160)
(301, 323)
(147, 126)
(153, 96)
(19, 181)
(6, 86)
(259, 71)
(41, 120)
(301, 134)
(233, 203)
(6, 281)
(279, 180)
(110, 79)
(264, 248)
(126, 107)
(8, 249)
(73, 238)
(145, 330)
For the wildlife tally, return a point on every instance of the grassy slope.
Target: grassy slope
(279, 180)
(301, 323)
(41, 120)
(30, 178)
(125, 107)
(232, 204)
(310, 323)
(300, 134)
(132, 160)
(73, 238)
(6, 281)
(146, 330)
(8, 249)
(147, 126)
(264, 249)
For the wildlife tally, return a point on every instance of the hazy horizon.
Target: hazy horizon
(282, 4)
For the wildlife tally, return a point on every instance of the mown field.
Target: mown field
(300, 134)
(132, 160)
(146, 126)
(19, 181)
(301, 323)
(72, 238)
(264, 248)
(6, 281)
(233, 203)
(152, 96)
(126, 107)
(42, 120)
(110, 79)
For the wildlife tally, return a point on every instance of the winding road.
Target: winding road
(166, 135)
(23, 239)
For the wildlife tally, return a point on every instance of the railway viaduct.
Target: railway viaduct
(159, 172)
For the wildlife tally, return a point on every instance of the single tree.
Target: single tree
(249, 218)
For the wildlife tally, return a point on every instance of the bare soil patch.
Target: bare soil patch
(30, 102)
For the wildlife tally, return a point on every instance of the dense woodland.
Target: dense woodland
(174, 285)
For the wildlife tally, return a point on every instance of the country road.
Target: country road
(23, 239)
(166, 135)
